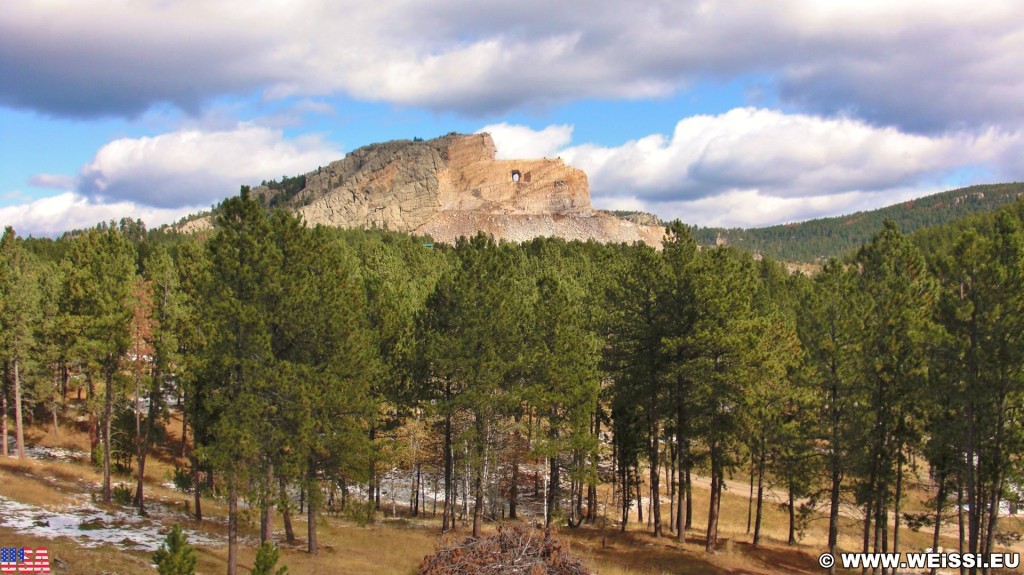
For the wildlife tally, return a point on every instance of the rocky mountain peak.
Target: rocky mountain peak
(449, 187)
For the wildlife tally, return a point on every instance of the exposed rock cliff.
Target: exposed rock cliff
(450, 187)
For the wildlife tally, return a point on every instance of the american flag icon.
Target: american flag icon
(24, 560)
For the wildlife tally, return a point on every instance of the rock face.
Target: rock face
(453, 186)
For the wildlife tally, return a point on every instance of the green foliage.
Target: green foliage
(122, 495)
(286, 189)
(175, 556)
(266, 560)
(820, 239)
(302, 352)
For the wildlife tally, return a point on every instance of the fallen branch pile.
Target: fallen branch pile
(515, 550)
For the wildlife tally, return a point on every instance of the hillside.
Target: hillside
(815, 240)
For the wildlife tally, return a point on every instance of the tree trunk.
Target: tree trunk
(314, 498)
(19, 429)
(592, 481)
(654, 453)
(960, 518)
(682, 502)
(286, 512)
(266, 531)
(689, 499)
(750, 495)
(554, 496)
(711, 537)
(833, 509)
(478, 479)
(513, 492)
(232, 528)
(184, 432)
(3, 406)
(108, 412)
(760, 494)
(626, 495)
(197, 488)
(792, 515)
(639, 495)
(90, 395)
(448, 513)
(670, 477)
(940, 499)
(898, 500)
(145, 438)
(374, 495)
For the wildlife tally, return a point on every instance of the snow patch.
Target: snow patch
(90, 526)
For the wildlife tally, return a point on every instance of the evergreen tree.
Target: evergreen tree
(245, 277)
(19, 319)
(165, 319)
(266, 561)
(472, 340)
(100, 278)
(830, 327)
(725, 332)
(983, 313)
(899, 295)
(175, 556)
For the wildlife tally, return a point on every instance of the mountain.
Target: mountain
(816, 240)
(449, 187)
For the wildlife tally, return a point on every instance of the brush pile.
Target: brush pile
(515, 550)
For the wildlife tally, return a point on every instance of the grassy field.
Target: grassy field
(394, 544)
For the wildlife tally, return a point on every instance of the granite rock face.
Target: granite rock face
(454, 186)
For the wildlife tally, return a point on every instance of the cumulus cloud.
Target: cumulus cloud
(782, 155)
(55, 181)
(752, 166)
(921, 65)
(162, 178)
(751, 208)
(514, 141)
(195, 167)
(54, 215)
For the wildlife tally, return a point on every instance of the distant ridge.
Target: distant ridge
(816, 240)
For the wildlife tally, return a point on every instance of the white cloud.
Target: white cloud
(195, 167)
(760, 167)
(781, 155)
(54, 215)
(922, 65)
(514, 141)
(751, 208)
(55, 181)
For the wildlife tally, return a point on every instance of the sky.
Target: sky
(720, 113)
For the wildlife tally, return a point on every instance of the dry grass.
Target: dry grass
(399, 545)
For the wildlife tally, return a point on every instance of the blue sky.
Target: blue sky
(718, 113)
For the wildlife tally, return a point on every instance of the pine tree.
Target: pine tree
(244, 283)
(899, 295)
(175, 556)
(160, 294)
(19, 321)
(101, 275)
(266, 560)
(982, 312)
(830, 327)
(722, 363)
(472, 341)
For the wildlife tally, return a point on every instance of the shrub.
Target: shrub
(122, 494)
(266, 560)
(176, 556)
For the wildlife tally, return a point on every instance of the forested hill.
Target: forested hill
(816, 240)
